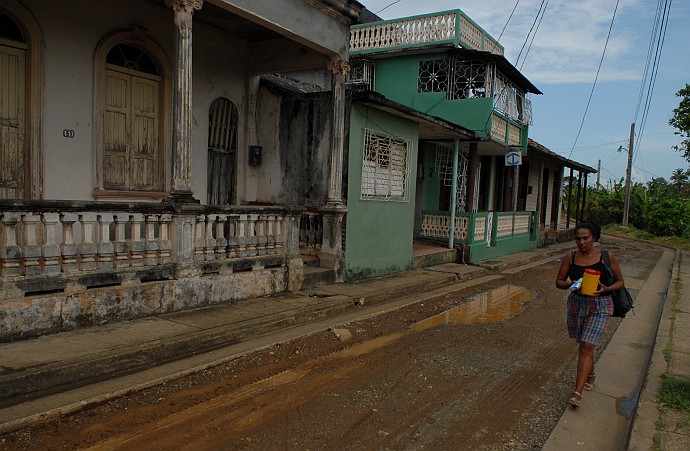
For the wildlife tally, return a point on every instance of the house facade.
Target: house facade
(457, 189)
(146, 164)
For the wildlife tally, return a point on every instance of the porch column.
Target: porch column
(339, 69)
(331, 253)
(584, 198)
(570, 198)
(453, 193)
(472, 177)
(182, 99)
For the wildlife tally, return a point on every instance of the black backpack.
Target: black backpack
(622, 300)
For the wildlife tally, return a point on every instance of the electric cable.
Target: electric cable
(601, 61)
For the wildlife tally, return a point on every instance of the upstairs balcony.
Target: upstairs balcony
(446, 27)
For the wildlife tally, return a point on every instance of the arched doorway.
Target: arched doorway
(131, 147)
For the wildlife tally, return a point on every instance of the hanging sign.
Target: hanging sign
(514, 158)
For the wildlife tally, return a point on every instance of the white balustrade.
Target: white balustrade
(105, 247)
(34, 244)
(498, 128)
(521, 223)
(479, 228)
(422, 30)
(438, 226)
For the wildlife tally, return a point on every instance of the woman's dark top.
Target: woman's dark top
(575, 272)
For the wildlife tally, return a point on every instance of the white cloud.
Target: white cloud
(570, 39)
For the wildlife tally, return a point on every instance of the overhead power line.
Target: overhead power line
(601, 61)
(660, 34)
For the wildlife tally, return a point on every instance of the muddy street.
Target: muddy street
(488, 368)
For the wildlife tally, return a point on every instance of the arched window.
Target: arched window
(132, 118)
(222, 151)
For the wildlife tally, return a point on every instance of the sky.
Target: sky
(562, 62)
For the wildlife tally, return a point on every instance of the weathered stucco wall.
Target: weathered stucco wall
(39, 315)
(220, 69)
(294, 132)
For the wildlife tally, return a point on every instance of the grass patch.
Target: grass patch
(633, 232)
(675, 393)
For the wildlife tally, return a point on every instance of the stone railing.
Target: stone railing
(310, 233)
(58, 246)
(437, 28)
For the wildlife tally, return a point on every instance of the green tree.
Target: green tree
(681, 121)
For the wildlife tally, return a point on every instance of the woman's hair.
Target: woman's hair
(592, 227)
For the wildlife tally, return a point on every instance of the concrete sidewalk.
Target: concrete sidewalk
(54, 375)
(605, 419)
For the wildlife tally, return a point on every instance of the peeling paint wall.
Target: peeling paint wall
(294, 132)
(39, 315)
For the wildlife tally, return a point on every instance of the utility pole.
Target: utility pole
(598, 171)
(626, 205)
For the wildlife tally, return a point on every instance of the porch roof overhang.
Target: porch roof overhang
(430, 127)
(538, 149)
(300, 34)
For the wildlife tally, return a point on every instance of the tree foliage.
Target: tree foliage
(681, 121)
(659, 207)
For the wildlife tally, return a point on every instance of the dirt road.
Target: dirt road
(403, 381)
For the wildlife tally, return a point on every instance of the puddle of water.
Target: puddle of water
(489, 307)
(625, 405)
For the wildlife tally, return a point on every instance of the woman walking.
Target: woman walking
(587, 315)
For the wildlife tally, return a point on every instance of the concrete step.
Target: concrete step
(315, 277)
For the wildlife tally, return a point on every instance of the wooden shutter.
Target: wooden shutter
(144, 160)
(131, 155)
(116, 131)
(13, 162)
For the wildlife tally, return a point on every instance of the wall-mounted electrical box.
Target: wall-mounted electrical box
(254, 155)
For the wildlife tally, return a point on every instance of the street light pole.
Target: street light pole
(626, 205)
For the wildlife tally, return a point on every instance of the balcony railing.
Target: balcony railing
(64, 246)
(478, 228)
(447, 27)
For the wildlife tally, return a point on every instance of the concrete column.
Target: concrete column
(331, 254)
(182, 99)
(472, 166)
(339, 69)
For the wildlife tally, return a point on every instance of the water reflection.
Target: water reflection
(488, 307)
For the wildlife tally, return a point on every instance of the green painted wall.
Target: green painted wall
(431, 191)
(396, 78)
(379, 233)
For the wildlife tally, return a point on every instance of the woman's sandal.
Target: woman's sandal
(575, 400)
(589, 385)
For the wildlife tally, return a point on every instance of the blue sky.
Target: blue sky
(562, 62)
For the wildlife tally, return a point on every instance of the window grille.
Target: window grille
(361, 75)
(433, 76)
(466, 79)
(444, 169)
(510, 100)
(385, 168)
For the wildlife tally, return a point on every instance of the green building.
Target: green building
(406, 183)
